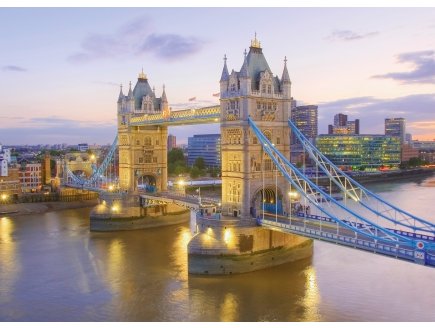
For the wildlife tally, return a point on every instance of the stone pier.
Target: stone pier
(230, 246)
(123, 211)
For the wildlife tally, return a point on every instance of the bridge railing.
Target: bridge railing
(328, 205)
(359, 194)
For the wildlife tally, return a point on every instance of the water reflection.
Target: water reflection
(9, 260)
(311, 301)
(274, 294)
(53, 269)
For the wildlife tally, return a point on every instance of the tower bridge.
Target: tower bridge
(270, 210)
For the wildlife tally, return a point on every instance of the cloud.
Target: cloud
(347, 35)
(14, 68)
(416, 109)
(171, 46)
(135, 39)
(423, 71)
(52, 129)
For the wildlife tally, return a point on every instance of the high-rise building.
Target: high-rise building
(343, 126)
(395, 127)
(207, 146)
(172, 142)
(305, 118)
(408, 138)
(340, 119)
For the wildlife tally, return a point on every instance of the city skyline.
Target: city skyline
(61, 79)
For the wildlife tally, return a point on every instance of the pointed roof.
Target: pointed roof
(285, 76)
(164, 99)
(225, 76)
(121, 95)
(244, 70)
(130, 92)
(141, 89)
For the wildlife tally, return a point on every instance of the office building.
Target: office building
(343, 126)
(305, 118)
(207, 146)
(357, 152)
(395, 127)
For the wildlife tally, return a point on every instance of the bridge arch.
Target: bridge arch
(146, 182)
(272, 197)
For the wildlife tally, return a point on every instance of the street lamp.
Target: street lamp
(4, 197)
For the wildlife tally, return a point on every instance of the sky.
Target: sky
(60, 68)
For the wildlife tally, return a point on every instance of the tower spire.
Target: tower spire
(142, 75)
(130, 92)
(225, 76)
(121, 95)
(164, 99)
(285, 76)
(244, 70)
(255, 43)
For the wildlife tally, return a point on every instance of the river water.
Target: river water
(54, 269)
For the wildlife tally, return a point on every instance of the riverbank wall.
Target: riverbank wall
(43, 207)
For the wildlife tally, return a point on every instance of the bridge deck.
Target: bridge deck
(326, 231)
(183, 200)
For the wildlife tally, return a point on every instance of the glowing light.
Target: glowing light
(92, 157)
(115, 208)
(227, 236)
(181, 182)
(219, 204)
(209, 231)
(293, 194)
(111, 188)
(4, 197)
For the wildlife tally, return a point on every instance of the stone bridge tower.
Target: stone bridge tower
(253, 92)
(142, 149)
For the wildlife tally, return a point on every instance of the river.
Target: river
(53, 269)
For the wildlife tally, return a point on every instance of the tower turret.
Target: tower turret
(285, 81)
(121, 95)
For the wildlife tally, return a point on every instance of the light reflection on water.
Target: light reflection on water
(54, 269)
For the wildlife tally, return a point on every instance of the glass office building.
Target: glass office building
(362, 151)
(207, 146)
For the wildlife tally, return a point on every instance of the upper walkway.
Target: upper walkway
(191, 116)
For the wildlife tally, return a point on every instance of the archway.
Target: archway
(269, 199)
(147, 183)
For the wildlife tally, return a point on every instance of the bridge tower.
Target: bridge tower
(253, 92)
(142, 149)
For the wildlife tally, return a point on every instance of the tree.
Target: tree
(176, 162)
(175, 154)
(199, 163)
(195, 172)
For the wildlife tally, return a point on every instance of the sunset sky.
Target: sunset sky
(60, 69)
